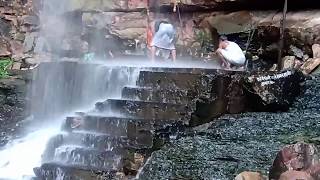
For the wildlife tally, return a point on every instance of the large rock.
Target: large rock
(4, 48)
(249, 176)
(297, 157)
(275, 89)
(293, 175)
(310, 65)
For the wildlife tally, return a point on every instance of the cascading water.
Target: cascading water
(61, 89)
(58, 90)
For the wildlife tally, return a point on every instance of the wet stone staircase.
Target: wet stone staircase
(114, 139)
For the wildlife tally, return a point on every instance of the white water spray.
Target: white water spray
(20, 156)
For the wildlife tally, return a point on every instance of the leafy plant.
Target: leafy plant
(5, 63)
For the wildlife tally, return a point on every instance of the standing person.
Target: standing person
(230, 53)
(164, 38)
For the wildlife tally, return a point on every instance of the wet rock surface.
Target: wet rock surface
(121, 128)
(108, 137)
(13, 108)
(237, 143)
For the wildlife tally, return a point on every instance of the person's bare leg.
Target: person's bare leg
(224, 63)
(153, 53)
(174, 55)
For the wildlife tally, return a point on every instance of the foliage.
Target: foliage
(205, 40)
(5, 63)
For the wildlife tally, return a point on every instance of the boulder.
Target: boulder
(316, 50)
(288, 62)
(296, 157)
(314, 171)
(276, 90)
(310, 65)
(249, 176)
(294, 175)
(16, 48)
(4, 48)
(129, 26)
(16, 66)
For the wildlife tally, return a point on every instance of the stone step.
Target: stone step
(87, 158)
(133, 128)
(139, 132)
(54, 170)
(174, 80)
(182, 70)
(101, 141)
(175, 96)
(146, 109)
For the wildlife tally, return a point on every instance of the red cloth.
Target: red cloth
(149, 36)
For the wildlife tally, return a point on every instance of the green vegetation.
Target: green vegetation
(205, 40)
(5, 63)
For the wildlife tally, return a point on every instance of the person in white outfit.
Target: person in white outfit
(230, 54)
(164, 38)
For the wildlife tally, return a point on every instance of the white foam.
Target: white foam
(19, 157)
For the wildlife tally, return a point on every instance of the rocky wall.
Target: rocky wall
(13, 103)
(121, 26)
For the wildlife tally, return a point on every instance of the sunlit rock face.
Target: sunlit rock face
(124, 24)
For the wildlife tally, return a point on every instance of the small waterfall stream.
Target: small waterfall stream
(61, 89)
(58, 90)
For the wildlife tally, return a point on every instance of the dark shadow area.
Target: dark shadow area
(293, 5)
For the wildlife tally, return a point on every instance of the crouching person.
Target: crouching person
(230, 54)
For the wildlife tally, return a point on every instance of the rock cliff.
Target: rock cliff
(110, 24)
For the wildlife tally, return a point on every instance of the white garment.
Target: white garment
(233, 54)
(164, 37)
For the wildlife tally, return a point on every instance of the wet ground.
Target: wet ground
(236, 143)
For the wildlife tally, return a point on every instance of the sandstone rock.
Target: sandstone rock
(294, 175)
(316, 50)
(310, 65)
(4, 49)
(16, 66)
(249, 176)
(314, 171)
(129, 26)
(297, 157)
(96, 5)
(298, 64)
(16, 48)
(137, 4)
(5, 27)
(229, 23)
